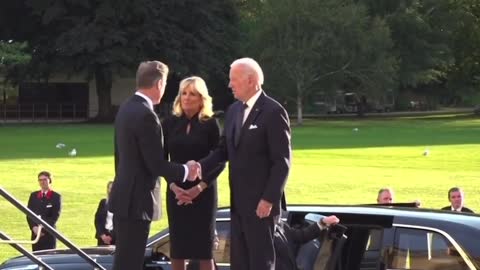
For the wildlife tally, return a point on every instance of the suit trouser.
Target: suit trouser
(252, 242)
(131, 239)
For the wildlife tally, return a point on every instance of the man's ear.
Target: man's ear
(160, 84)
(161, 87)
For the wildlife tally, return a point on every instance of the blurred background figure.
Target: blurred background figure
(47, 204)
(456, 197)
(104, 221)
(191, 134)
(385, 195)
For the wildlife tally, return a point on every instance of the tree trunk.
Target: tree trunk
(103, 82)
(299, 110)
(299, 103)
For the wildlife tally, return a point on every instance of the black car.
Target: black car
(378, 238)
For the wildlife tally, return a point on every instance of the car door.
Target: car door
(330, 249)
(158, 252)
(322, 253)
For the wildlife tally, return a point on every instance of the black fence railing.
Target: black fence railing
(32, 112)
(49, 229)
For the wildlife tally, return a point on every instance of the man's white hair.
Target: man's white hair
(252, 66)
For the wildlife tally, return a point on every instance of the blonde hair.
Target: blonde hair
(200, 86)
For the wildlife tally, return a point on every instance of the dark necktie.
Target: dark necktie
(239, 123)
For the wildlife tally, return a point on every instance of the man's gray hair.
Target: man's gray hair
(252, 66)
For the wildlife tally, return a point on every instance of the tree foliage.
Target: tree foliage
(107, 38)
(464, 76)
(14, 58)
(307, 46)
(12, 53)
(436, 42)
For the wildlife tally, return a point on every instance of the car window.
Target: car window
(423, 249)
(374, 242)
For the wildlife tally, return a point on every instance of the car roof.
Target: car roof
(400, 214)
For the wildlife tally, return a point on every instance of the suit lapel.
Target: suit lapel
(235, 110)
(252, 116)
(254, 113)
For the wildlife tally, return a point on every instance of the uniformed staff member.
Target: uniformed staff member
(46, 203)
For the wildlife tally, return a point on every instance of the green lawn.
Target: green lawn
(332, 163)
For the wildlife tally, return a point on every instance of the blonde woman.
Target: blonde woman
(190, 134)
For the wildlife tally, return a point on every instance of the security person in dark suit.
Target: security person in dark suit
(104, 221)
(139, 161)
(456, 197)
(256, 142)
(48, 204)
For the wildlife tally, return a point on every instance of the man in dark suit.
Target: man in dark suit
(456, 198)
(287, 241)
(138, 163)
(256, 142)
(48, 204)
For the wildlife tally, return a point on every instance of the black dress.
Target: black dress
(191, 226)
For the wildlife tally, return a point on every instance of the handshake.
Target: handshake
(186, 196)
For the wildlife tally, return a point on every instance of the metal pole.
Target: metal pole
(49, 228)
(26, 253)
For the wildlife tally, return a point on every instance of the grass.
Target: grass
(332, 164)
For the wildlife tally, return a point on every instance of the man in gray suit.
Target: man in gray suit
(256, 142)
(138, 163)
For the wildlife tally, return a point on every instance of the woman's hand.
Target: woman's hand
(181, 194)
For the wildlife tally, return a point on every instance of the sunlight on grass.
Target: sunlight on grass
(334, 162)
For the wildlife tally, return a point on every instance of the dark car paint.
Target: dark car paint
(464, 228)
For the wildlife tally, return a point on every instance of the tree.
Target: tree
(12, 55)
(107, 38)
(422, 34)
(464, 76)
(13, 60)
(310, 45)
